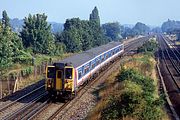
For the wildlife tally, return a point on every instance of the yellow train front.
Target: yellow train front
(59, 80)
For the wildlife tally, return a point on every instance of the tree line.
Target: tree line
(36, 37)
(138, 29)
(171, 27)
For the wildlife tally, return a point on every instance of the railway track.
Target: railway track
(41, 103)
(170, 70)
(25, 111)
(85, 88)
(13, 105)
(173, 60)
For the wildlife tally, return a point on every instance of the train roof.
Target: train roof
(85, 56)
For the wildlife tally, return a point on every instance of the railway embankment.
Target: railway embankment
(132, 92)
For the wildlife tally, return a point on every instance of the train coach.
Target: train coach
(65, 77)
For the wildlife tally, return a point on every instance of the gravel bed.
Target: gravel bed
(45, 114)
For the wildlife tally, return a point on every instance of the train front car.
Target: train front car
(60, 80)
(64, 79)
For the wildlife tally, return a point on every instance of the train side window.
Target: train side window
(93, 64)
(102, 58)
(109, 54)
(90, 65)
(79, 73)
(117, 50)
(98, 60)
(106, 55)
(82, 70)
(86, 69)
(113, 52)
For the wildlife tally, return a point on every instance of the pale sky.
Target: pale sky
(151, 12)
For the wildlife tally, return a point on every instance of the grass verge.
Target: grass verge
(131, 92)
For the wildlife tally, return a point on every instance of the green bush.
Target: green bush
(23, 58)
(137, 99)
(26, 72)
(149, 46)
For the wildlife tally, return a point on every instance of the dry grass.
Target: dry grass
(28, 81)
(111, 87)
(38, 61)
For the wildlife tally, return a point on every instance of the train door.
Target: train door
(59, 79)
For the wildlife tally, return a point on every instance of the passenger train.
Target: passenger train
(65, 77)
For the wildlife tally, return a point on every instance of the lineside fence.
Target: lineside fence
(10, 83)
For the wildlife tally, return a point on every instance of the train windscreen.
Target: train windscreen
(68, 72)
(51, 73)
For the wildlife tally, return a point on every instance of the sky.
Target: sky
(150, 12)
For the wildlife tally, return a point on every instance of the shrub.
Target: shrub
(149, 46)
(26, 72)
(137, 99)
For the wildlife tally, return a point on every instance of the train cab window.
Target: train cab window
(51, 72)
(68, 73)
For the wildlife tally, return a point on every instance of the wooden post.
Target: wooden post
(1, 88)
(8, 84)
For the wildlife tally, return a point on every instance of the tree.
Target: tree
(112, 30)
(170, 25)
(94, 16)
(87, 38)
(72, 40)
(126, 32)
(140, 29)
(6, 50)
(74, 23)
(5, 20)
(36, 33)
(82, 34)
(76, 33)
(96, 30)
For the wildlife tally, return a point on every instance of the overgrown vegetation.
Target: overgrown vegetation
(137, 99)
(149, 46)
(132, 93)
